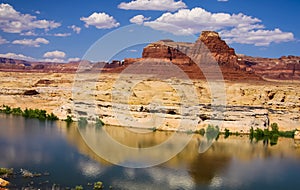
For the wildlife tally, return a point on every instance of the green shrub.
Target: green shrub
(69, 119)
(17, 111)
(7, 109)
(259, 134)
(52, 117)
(6, 171)
(78, 187)
(227, 133)
(271, 136)
(35, 113)
(201, 132)
(287, 134)
(98, 185)
(251, 133)
(217, 137)
(154, 129)
(275, 128)
(212, 132)
(267, 132)
(29, 113)
(82, 121)
(99, 122)
(274, 139)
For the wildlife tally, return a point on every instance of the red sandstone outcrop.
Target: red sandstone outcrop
(208, 44)
(177, 52)
(218, 48)
(209, 51)
(283, 68)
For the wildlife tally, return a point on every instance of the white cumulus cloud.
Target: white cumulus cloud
(17, 56)
(3, 41)
(139, 19)
(75, 29)
(235, 28)
(28, 33)
(198, 19)
(53, 60)
(73, 59)
(100, 21)
(30, 42)
(12, 21)
(158, 5)
(62, 34)
(55, 54)
(256, 37)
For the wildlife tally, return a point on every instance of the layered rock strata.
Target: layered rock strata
(144, 92)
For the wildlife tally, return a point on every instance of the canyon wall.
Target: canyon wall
(248, 104)
(143, 92)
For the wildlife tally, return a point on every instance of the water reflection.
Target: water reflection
(233, 163)
(23, 143)
(226, 156)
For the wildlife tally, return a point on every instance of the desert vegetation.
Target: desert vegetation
(29, 113)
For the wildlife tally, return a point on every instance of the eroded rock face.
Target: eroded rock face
(248, 103)
(185, 53)
(209, 52)
(223, 54)
(169, 50)
(283, 68)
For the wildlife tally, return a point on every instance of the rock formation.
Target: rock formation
(223, 54)
(209, 50)
(186, 53)
(177, 52)
(3, 183)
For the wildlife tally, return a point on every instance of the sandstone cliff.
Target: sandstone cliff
(251, 101)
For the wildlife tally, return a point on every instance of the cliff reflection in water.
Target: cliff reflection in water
(203, 168)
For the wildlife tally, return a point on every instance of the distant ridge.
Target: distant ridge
(233, 66)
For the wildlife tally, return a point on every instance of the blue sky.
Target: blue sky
(56, 30)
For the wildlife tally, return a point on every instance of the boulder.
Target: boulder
(3, 183)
